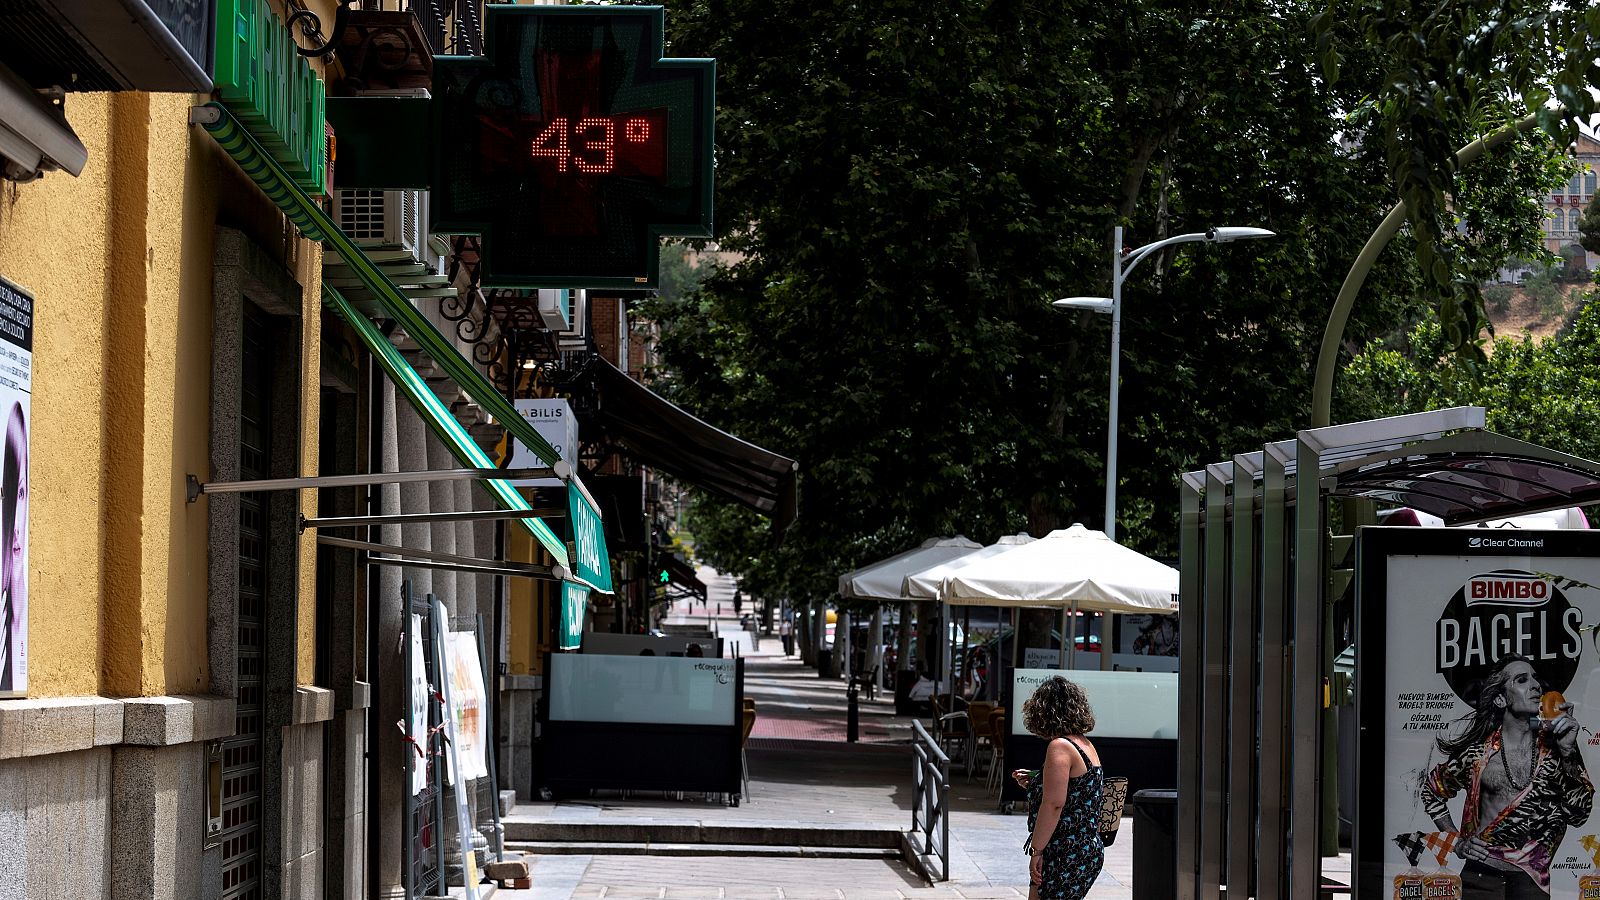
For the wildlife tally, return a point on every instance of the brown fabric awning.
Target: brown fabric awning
(682, 574)
(662, 436)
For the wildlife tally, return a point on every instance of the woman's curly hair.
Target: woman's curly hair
(1058, 708)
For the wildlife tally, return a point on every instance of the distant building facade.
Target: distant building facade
(1564, 207)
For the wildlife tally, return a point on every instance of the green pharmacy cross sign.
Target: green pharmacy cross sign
(572, 146)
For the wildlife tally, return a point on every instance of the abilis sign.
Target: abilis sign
(572, 147)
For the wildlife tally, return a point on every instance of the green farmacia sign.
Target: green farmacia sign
(265, 82)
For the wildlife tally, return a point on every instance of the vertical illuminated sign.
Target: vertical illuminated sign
(572, 146)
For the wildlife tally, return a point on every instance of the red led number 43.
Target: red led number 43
(587, 145)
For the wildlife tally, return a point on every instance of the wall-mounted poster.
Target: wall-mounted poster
(468, 703)
(16, 390)
(1478, 693)
(421, 696)
(1149, 635)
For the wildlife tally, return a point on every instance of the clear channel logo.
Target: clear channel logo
(1495, 543)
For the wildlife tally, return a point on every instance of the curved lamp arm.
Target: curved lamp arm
(1134, 257)
(1339, 316)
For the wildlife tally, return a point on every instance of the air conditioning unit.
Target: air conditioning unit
(555, 309)
(385, 219)
(576, 335)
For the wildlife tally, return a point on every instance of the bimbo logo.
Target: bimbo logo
(1507, 613)
(1507, 589)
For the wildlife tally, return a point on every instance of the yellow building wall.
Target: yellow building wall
(532, 607)
(55, 242)
(119, 261)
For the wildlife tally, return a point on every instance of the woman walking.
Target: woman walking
(1064, 801)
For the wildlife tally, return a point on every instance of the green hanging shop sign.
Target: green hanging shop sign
(269, 87)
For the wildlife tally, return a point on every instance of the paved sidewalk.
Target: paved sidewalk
(803, 775)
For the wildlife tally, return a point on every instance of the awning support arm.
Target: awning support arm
(196, 488)
(406, 518)
(529, 570)
(450, 567)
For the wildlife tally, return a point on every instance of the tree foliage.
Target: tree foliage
(1453, 70)
(908, 185)
(1547, 392)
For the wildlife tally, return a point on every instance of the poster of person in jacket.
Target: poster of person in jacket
(1478, 701)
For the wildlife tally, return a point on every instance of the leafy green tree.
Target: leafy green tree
(680, 274)
(1542, 286)
(1453, 70)
(1589, 226)
(1547, 392)
(908, 185)
(1498, 297)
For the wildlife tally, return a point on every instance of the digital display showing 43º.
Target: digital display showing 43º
(572, 147)
(595, 145)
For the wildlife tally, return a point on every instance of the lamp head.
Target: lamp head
(1094, 304)
(1232, 233)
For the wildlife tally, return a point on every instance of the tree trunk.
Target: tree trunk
(804, 640)
(927, 637)
(902, 640)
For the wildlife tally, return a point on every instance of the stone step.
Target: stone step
(621, 831)
(624, 848)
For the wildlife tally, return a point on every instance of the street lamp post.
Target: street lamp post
(1122, 264)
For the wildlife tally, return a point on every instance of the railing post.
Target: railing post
(944, 819)
(930, 811)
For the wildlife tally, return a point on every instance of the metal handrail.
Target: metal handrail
(930, 805)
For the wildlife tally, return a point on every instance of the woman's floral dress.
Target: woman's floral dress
(1074, 854)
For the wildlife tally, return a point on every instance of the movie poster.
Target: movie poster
(468, 703)
(1478, 700)
(1149, 634)
(16, 390)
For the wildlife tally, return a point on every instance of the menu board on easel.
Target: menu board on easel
(469, 867)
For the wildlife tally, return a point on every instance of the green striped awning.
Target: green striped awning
(439, 419)
(314, 223)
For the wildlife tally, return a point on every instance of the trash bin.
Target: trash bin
(825, 666)
(903, 680)
(1155, 845)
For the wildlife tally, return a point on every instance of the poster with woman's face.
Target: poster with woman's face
(1479, 697)
(16, 389)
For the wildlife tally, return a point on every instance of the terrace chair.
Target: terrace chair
(744, 741)
(997, 748)
(867, 683)
(952, 728)
(982, 727)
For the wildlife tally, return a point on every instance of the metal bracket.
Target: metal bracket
(433, 559)
(196, 488)
(406, 518)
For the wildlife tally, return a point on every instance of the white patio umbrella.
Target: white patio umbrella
(883, 579)
(1072, 568)
(924, 585)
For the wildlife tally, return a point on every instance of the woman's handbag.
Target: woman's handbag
(1113, 796)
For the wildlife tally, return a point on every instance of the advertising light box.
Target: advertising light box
(1478, 694)
(1126, 704)
(642, 689)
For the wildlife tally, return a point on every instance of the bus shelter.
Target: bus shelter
(1265, 547)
